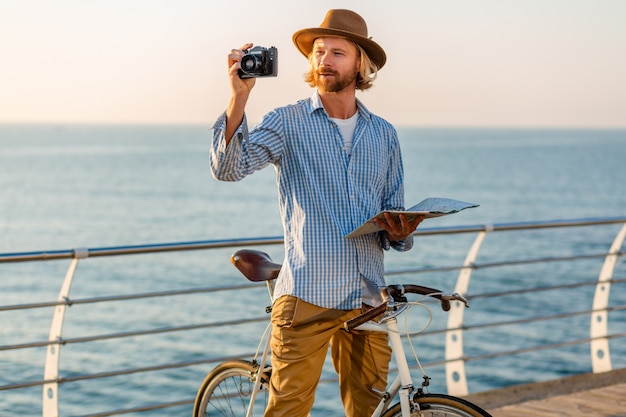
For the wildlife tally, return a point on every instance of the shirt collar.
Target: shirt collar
(316, 103)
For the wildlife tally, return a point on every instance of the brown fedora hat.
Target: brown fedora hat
(344, 24)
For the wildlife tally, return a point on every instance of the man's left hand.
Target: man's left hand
(397, 231)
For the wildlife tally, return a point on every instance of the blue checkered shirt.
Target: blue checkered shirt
(323, 195)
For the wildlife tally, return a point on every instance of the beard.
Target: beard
(334, 84)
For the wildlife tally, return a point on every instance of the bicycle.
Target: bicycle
(239, 388)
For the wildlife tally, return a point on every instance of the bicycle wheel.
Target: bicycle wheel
(440, 405)
(226, 390)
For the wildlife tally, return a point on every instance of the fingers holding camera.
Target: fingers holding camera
(240, 90)
(238, 85)
(236, 54)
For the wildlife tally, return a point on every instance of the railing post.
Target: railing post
(50, 402)
(456, 379)
(600, 355)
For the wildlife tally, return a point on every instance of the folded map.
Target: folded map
(430, 207)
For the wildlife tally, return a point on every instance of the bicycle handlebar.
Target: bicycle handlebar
(365, 317)
(396, 292)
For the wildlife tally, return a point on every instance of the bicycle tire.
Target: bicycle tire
(440, 405)
(226, 390)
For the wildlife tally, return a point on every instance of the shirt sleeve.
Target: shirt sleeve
(244, 154)
(394, 195)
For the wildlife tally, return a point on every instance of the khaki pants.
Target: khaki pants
(301, 333)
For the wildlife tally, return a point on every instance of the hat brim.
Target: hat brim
(303, 39)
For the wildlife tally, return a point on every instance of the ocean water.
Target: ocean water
(67, 186)
(71, 186)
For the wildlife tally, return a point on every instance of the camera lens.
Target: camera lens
(249, 63)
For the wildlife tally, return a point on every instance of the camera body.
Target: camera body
(259, 62)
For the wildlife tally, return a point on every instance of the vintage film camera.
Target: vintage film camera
(259, 62)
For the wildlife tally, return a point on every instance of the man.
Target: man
(337, 165)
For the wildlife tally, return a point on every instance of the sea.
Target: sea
(72, 186)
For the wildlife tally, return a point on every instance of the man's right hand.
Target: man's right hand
(240, 90)
(239, 85)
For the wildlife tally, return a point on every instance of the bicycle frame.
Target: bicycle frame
(264, 356)
(403, 383)
(232, 379)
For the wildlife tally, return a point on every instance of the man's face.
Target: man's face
(335, 64)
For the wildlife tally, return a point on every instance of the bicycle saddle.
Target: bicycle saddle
(255, 265)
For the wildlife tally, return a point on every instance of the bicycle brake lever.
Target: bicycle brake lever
(454, 296)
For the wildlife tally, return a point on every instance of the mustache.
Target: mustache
(326, 72)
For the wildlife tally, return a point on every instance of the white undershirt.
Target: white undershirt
(346, 127)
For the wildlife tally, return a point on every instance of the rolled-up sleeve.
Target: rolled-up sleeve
(224, 158)
(245, 153)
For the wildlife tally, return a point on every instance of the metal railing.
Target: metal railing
(466, 341)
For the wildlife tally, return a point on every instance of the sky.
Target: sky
(451, 63)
